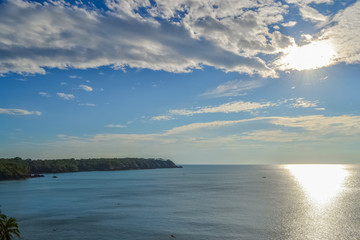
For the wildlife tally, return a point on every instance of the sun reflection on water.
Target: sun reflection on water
(322, 183)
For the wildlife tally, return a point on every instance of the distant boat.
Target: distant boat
(36, 175)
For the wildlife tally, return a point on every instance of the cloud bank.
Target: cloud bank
(33, 39)
(310, 135)
(174, 36)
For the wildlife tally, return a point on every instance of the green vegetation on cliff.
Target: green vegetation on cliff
(16, 168)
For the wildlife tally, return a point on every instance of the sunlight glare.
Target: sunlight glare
(321, 182)
(314, 55)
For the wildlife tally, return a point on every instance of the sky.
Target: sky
(198, 82)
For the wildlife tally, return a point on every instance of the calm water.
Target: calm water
(192, 203)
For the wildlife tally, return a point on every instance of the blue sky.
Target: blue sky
(199, 82)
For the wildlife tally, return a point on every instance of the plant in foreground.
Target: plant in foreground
(8, 227)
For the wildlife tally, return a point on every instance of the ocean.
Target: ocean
(203, 202)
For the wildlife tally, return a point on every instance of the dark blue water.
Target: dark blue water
(192, 203)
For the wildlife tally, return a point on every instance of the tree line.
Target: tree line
(17, 168)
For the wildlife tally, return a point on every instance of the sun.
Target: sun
(314, 55)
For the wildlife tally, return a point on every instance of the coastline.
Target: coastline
(17, 168)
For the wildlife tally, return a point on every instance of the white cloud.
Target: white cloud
(86, 88)
(67, 137)
(324, 78)
(311, 14)
(74, 77)
(87, 104)
(15, 111)
(235, 107)
(306, 38)
(271, 136)
(300, 102)
(162, 117)
(115, 126)
(66, 96)
(345, 125)
(281, 41)
(310, 1)
(226, 37)
(232, 107)
(233, 88)
(289, 24)
(204, 125)
(44, 94)
(344, 34)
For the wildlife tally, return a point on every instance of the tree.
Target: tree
(8, 227)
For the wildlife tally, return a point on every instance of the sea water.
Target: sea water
(191, 203)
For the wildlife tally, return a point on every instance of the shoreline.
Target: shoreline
(19, 169)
